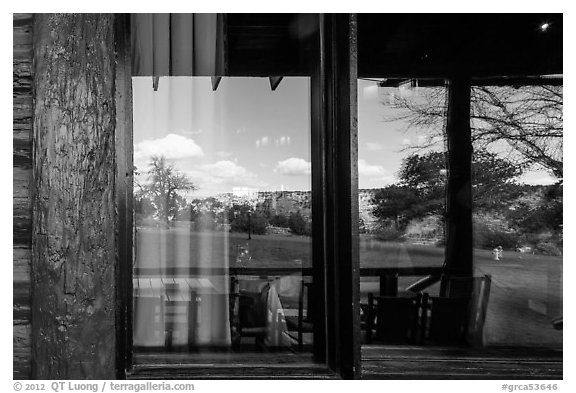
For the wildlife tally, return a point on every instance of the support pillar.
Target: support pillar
(73, 236)
(459, 241)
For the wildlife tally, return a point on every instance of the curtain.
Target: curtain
(178, 45)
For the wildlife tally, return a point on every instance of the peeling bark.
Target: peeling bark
(73, 333)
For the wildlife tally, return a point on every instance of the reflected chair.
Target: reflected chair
(392, 319)
(456, 316)
(444, 319)
(301, 323)
(180, 317)
(248, 312)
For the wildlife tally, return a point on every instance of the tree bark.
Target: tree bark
(73, 250)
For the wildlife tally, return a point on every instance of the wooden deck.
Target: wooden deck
(225, 365)
(378, 362)
(416, 362)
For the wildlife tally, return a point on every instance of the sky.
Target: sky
(241, 136)
(246, 137)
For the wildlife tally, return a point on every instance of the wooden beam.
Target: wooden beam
(459, 251)
(124, 194)
(538, 80)
(275, 81)
(337, 92)
(215, 82)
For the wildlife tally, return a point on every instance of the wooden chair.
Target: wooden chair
(180, 317)
(456, 316)
(444, 319)
(392, 319)
(302, 322)
(248, 312)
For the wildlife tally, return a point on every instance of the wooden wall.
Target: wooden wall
(22, 174)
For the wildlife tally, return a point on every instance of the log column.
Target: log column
(459, 251)
(73, 239)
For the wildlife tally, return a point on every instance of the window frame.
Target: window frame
(335, 252)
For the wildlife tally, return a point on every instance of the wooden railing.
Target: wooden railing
(388, 276)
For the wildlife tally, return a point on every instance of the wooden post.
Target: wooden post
(459, 251)
(389, 284)
(73, 238)
(336, 90)
(124, 195)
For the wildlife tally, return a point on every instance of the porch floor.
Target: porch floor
(430, 362)
(378, 362)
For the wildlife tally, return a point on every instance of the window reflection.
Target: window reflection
(518, 205)
(222, 215)
(517, 185)
(402, 180)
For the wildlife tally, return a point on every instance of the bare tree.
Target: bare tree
(164, 182)
(524, 123)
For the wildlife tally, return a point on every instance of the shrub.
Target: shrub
(431, 226)
(204, 222)
(280, 220)
(489, 238)
(388, 233)
(257, 223)
(299, 225)
(548, 248)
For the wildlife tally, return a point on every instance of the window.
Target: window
(402, 170)
(223, 219)
(518, 203)
(517, 195)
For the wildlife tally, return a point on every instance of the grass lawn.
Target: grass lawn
(526, 291)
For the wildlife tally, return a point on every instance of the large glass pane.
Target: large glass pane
(518, 205)
(514, 296)
(222, 216)
(402, 179)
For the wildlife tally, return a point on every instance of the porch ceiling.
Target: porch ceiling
(404, 45)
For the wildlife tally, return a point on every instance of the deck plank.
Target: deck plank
(415, 362)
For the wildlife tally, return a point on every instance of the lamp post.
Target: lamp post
(250, 224)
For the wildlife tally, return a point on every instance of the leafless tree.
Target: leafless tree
(523, 124)
(164, 182)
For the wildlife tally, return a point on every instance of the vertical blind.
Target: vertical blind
(178, 45)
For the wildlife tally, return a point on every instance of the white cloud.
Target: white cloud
(223, 176)
(225, 170)
(373, 176)
(365, 169)
(294, 167)
(172, 146)
(376, 182)
(224, 154)
(372, 146)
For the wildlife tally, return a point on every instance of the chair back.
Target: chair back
(457, 316)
